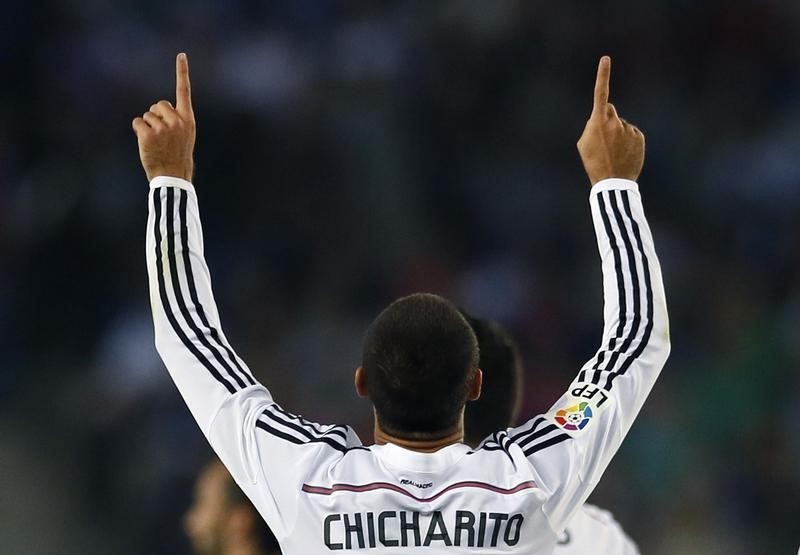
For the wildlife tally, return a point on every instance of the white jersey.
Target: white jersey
(594, 530)
(321, 490)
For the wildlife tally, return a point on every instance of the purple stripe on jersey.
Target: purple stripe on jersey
(319, 490)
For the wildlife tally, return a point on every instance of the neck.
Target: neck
(383, 437)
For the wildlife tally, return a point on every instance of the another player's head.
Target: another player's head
(501, 395)
(222, 520)
(419, 367)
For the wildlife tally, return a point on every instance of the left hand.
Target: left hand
(165, 134)
(609, 146)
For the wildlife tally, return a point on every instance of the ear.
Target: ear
(475, 386)
(360, 379)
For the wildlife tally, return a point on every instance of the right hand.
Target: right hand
(609, 146)
(165, 134)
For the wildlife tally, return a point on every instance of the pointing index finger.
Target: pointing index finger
(601, 85)
(183, 89)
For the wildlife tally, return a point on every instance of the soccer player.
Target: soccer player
(591, 529)
(222, 521)
(418, 486)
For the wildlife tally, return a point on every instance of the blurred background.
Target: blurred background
(351, 152)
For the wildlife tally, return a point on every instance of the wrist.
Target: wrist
(597, 178)
(184, 173)
(177, 175)
(614, 184)
(169, 181)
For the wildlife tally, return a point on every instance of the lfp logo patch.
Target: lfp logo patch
(576, 417)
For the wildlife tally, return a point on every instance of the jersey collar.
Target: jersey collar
(416, 461)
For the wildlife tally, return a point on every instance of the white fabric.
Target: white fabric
(594, 530)
(319, 489)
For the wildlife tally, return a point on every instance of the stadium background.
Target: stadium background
(351, 152)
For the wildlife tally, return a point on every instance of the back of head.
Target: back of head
(499, 403)
(419, 357)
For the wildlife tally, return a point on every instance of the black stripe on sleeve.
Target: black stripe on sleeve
(296, 440)
(505, 441)
(312, 426)
(622, 301)
(521, 434)
(162, 290)
(299, 429)
(600, 356)
(187, 263)
(502, 443)
(288, 437)
(633, 270)
(177, 291)
(545, 444)
(648, 292)
(488, 447)
(533, 437)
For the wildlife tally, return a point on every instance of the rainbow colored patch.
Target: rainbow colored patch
(575, 417)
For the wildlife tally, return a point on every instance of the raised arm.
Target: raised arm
(188, 334)
(259, 442)
(571, 445)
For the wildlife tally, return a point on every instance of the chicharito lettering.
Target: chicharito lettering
(413, 528)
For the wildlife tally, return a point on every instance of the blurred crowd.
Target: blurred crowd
(351, 152)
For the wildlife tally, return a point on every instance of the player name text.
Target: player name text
(418, 529)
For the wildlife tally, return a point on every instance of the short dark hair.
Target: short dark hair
(501, 393)
(419, 357)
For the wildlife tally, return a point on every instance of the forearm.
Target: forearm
(219, 389)
(636, 325)
(571, 445)
(574, 442)
(188, 334)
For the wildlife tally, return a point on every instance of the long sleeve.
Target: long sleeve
(265, 448)
(569, 447)
(187, 328)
